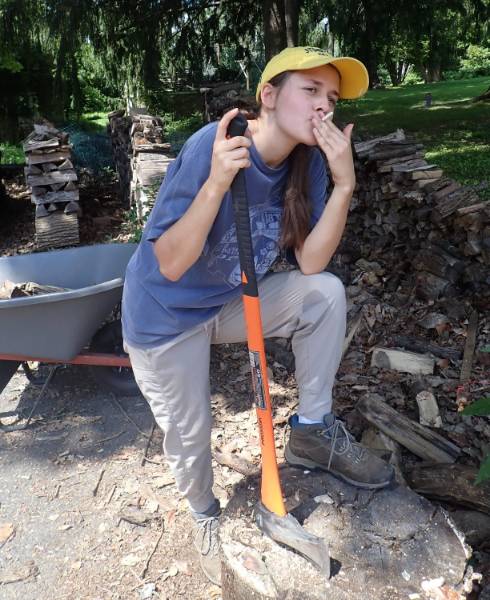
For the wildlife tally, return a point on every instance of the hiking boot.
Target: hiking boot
(207, 544)
(330, 447)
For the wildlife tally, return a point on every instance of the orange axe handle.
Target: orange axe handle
(271, 493)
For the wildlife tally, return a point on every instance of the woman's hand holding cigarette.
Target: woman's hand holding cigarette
(336, 145)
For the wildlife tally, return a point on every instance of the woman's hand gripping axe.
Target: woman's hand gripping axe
(270, 513)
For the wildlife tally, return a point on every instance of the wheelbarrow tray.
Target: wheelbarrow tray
(58, 326)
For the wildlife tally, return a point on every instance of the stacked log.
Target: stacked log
(52, 178)
(221, 97)
(408, 214)
(141, 156)
(118, 130)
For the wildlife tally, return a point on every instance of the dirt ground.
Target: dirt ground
(85, 513)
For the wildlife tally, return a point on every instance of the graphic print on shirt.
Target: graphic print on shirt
(223, 260)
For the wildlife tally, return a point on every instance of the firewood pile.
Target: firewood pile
(52, 178)
(9, 289)
(141, 156)
(423, 225)
(221, 97)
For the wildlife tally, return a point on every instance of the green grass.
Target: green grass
(177, 130)
(95, 122)
(11, 153)
(455, 130)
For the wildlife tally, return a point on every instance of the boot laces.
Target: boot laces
(338, 431)
(206, 538)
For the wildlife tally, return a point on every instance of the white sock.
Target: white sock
(305, 421)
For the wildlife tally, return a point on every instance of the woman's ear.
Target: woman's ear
(268, 95)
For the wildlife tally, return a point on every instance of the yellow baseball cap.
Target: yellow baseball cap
(354, 78)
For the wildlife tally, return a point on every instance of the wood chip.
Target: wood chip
(7, 531)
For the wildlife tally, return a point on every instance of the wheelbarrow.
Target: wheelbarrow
(79, 326)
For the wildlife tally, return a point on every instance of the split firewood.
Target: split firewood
(51, 176)
(57, 230)
(426, 174)
(379, 442)
(33, 170)
(65, 165)
(34, 159)
(418, 439)
(141, 156)
(54, 177)
(48, 166)
(401, 201)
(41, 211)
(474, 524)
(400, 360)
(430, 286)
(469, 348)
(55, 197)
(451, 483)
(428, 409)
(422, 183)
(9, 289)
(434, 321)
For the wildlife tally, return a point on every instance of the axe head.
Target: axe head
(288, 532)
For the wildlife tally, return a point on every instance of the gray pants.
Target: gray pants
(174, 377)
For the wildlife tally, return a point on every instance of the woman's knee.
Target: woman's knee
(327, 286)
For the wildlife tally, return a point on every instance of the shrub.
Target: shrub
(476, 62)
(412, 78)
(11, 153)
(480, 408)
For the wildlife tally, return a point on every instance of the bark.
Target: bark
(274, 22)
(369, 52)
(291, 17)
(274, 27)
(397, 71)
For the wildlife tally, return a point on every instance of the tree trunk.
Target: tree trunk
(59, 87)
(432, 73)
(393, 71)
(274, 21)
(369, 52)
(291, 14)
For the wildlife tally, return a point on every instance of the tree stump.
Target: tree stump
(389, 544)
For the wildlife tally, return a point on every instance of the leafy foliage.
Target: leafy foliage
(11, 154)
(480, 408)
(476, 61)
(484, 472)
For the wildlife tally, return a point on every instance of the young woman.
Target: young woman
(182, 291)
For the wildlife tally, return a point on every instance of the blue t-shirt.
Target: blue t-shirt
(155, 309)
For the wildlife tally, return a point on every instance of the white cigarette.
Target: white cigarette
(328, 116)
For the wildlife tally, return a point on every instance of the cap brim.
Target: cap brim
(354, 78)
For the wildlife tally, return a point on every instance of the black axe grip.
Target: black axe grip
(238, 126)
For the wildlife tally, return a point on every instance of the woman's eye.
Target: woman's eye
(311, 89)
(332, 101)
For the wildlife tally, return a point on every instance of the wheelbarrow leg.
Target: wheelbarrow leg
(7, 370)
(52, 372)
